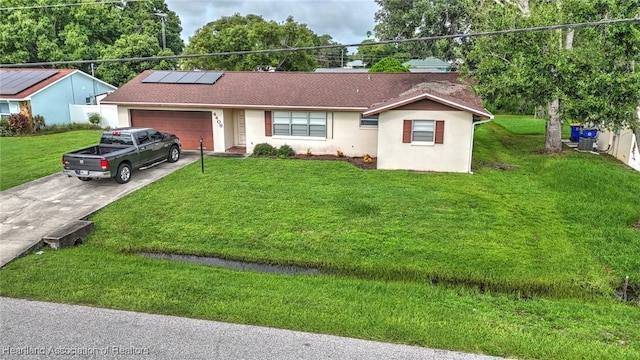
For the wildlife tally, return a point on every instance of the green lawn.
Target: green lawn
(26, 158)
(526, 125)
(520, 263)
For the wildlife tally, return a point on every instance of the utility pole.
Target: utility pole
(163, 18)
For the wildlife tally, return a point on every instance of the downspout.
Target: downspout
(473, 131)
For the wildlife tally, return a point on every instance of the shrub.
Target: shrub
(19, 123)
(285, 151)
(38, 123)
(264, 149)
(367, 159)
(340, 153)
(309, 152)
(5, 129)
(95, 118)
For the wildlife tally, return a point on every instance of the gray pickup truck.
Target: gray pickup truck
(119, 152)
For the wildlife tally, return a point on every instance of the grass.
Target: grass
(525, 262)
(26, 158)
(526, 125)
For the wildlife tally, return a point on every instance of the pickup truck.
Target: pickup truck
(119, 152)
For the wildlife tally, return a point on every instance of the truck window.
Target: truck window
(142, 137)
(155, 135)
(119, 139)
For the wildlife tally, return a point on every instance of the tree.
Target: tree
(389, 64)
(406, 19)
(330, 57)
(371, 54)
(251, 33)
(578, 75)
(129, 46)
(81, 32)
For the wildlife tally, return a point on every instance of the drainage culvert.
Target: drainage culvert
(234, 264)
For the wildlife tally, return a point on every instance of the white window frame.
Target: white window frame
(370, 119)
(422, 126)
(5, 115)
(299, 124)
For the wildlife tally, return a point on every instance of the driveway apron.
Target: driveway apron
(31, 211)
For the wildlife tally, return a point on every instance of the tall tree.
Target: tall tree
(40, 31)
(251, 33)
(405, 19)
(576, 74)
(371, 54)
(331, 57)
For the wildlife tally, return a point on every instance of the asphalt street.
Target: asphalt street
(41, 330)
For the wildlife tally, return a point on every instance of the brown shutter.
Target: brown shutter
(406, 131)
(267, 123)
(439, 132)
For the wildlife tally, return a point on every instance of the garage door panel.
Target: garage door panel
(189, 126)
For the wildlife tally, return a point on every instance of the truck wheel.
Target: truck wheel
(124, 173)
(84, 178)
(174, 154)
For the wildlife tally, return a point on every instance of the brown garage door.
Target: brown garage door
(189, 126)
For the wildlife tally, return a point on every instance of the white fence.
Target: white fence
(80, 114)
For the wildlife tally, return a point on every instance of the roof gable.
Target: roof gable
(42, 84)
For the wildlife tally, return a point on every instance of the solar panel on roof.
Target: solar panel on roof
(209, 78)
(183, 77)
(155, 76)
(173, 77)
(191, 77)
(13, 82)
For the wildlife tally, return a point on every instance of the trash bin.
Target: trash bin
(575, 132)
(589, 133)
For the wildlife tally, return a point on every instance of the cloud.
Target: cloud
(346, 21)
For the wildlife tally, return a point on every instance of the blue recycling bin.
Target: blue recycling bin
(575, 132)
(589, 133)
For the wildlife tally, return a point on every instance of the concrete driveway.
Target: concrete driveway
(31, 211)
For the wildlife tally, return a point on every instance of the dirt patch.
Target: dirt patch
(505, 167)
(355, 160)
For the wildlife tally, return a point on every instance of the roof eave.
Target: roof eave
(435, 98)
(233, 106)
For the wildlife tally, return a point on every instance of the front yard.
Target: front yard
(520, 263)
(26, 158)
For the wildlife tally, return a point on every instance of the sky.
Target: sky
(346, 21)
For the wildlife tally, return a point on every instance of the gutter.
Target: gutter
(473, 131)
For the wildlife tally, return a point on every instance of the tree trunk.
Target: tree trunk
(553, 137)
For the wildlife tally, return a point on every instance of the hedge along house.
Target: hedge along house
(415, 121)
(47, 92)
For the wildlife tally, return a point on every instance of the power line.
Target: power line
(68, 4)
(309, 48)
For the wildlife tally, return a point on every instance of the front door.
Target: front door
(240, 135)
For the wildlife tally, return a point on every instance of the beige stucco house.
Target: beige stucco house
(414, 121)
(622, 144)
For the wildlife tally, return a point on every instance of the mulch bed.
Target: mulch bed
(356, 160)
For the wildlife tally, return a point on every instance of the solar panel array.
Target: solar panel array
(183, 77)
(13, 82)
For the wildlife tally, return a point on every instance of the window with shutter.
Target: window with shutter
(300, 124)
(267, 123)
(426, 132)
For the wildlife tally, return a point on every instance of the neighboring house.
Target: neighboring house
(416, 121)
(430, 64)
(622, 144)
(48, 92)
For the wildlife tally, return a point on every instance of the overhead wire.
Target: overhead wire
(310, 48)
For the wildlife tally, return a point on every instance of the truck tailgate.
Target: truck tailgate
(82, 162)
